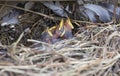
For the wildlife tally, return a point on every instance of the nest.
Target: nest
(93, 51)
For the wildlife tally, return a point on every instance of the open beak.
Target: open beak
(52, 28)
(63, 33)
(55, 33)
(49, 32)
(69, 23)
(61, 24)
(64, 27)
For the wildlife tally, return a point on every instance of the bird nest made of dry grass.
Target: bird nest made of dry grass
(93, 51)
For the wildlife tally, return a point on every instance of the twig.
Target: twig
(51, 17)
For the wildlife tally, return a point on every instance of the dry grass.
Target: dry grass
(93, 51)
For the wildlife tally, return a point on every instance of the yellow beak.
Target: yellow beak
(61, 24)
(63, 33)
(49, 32)
(69, 23)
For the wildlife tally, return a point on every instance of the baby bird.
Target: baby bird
(57, 33)
(68, 29)
(64, 30)
(46, 36)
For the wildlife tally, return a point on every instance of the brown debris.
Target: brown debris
(93, 51)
